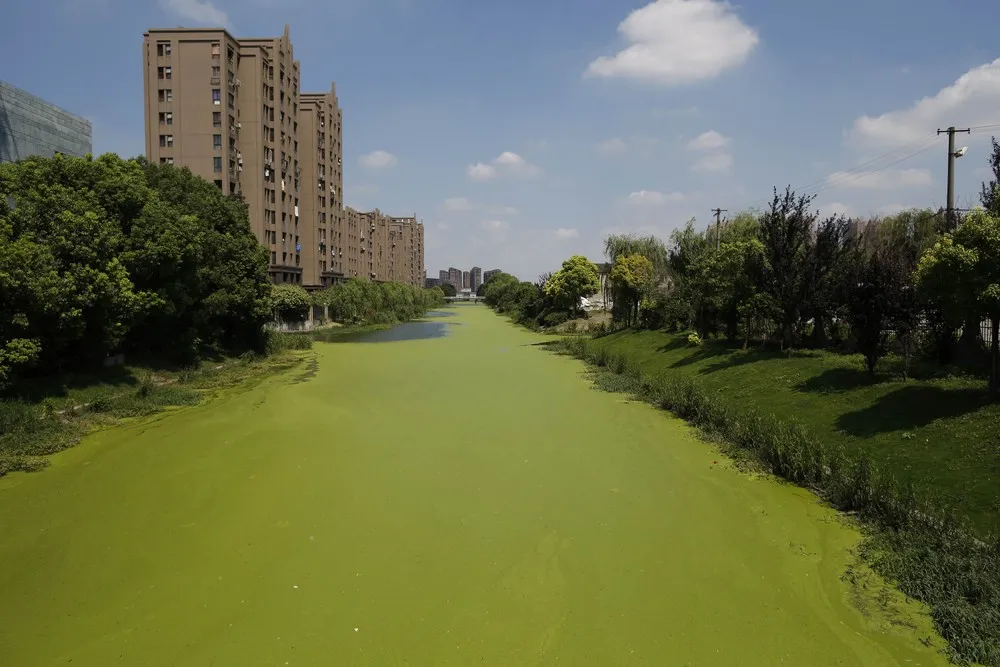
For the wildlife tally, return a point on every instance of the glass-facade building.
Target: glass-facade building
(31, 126)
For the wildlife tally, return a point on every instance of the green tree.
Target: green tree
(724, 282)
(961, 275)
(990, 194)
(577, 278)
(448, 289)
(66, 298)
(824, 252)
(784, 231)
(291, 303)
(631, 277)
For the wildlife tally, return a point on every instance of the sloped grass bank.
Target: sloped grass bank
(50, 415)
(929, 551)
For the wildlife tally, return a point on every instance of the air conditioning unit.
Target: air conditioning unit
(239, 126)
(240, 168)
(237, 82)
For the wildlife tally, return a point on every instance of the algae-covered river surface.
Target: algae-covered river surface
(458, 500)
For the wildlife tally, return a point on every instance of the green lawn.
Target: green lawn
(942, 434)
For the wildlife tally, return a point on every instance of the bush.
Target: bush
(694, 340)
(291, 303)
(554, 319)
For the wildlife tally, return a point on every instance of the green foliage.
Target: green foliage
(632, 277)
(961, 275)
(291, 303)
(360, 302)
(694, 340)
(98, 256)
(448, 289)
(577, 278)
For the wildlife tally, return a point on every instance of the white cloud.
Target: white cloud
(972, 100)
(564, 234)
(378, 160)
(887, 179)
(504, 210)
(720, 162)
(707, 141)
(458, 204)
(678, 41)
(481, 172)
(506, 163)
(614, 146)
(495, 225)
(653, 198)
(200, 11)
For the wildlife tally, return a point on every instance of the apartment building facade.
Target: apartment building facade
(475, 278)
(231, 110)
(228, 109)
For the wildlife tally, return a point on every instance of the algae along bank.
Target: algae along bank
(441, 500)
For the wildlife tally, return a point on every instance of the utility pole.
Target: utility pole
(952, 154)
(718, 224)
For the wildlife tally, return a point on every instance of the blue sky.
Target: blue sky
(525, 131)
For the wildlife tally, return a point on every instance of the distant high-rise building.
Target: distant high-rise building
(475, 278)
(465, 280)
(489, 274)
(455, 277)
(31, 126)
(443, 276)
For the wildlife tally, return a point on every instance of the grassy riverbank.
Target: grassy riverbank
(917, 461)
(45, 416)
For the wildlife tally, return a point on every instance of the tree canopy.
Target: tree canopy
(577, 278)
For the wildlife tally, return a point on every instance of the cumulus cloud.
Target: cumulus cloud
(972, 100)
(199, 11)
(887, 179)
(653, 198)
(564, 234)
(506, 164)
(673, 42)
(504, 210)
(720, 162)
(481, 172)
(707, 141)
(378, 160)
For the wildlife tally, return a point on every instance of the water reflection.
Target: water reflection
(419, 330)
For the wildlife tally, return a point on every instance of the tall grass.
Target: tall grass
(912, 540)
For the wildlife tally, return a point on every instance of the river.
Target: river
(446, 494)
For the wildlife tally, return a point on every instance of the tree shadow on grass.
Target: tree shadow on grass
(33, 390)
(738, 357)
(837, 380)
(911, 407)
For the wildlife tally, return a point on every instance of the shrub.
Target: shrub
(291, 303)
(694, 340)
(555, 318)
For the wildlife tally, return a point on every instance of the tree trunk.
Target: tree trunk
(995, 357)
(819, 337)
(970, 345)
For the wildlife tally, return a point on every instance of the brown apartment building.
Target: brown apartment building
(229, 109)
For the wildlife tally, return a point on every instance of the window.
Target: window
(166, 95)
(232, 101)
(216, 96)
(217, 118)
(166, 160)
(215, 71)
(167, 72)
(170, 118)
(163, 119)
(163, 48)
(217, 163)
(217, 141)
(273, 257)
(218, 183)
(215, 49)
(166, 140)
(160, 72)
